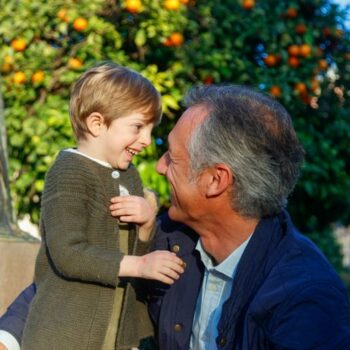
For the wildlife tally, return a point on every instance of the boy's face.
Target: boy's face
(124, 138)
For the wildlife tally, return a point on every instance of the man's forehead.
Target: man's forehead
(188, 121)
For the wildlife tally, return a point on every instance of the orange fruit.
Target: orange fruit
(172, 4)
(38, 76)
(292, 12)
(8, 59)
(248, 4)
(7, 64)
(319, 51)
(305, 50)
(6, 67)
(75, 63)
(326, 31)
(80, 24)
(275, 91)
(300, 28)
(167, 42)
(293, 62)
(133, 6)
(185, 2)
(271, 60)
(323, 64)
(19, 44)
(176, 39)
(293, 50)
(208, 80)
(306, 98)
(62, 15)
(300, 88)
(19, 78)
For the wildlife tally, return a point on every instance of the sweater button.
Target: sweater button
(178, 327)
(175, 248)
(115, 174)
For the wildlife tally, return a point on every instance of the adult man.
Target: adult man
(251, 281)
(233, 159)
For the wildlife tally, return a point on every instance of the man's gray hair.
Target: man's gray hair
(253, 134)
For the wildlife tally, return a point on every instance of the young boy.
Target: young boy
(84, 299)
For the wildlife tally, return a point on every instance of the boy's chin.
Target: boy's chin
(122, 165)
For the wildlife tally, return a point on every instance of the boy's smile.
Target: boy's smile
(119, 142)
(125, 138)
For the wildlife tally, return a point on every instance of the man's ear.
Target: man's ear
(219, 180)
(95, 123)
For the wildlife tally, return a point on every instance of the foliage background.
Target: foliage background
(44, 49)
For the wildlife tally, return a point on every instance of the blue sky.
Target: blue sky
(344, 3)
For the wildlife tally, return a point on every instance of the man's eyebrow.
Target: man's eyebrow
(167, 143)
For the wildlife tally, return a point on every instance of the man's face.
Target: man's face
(175, 165)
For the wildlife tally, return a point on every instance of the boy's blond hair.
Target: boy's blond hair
(113, 91)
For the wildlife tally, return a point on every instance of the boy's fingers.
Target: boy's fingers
(128, 218)
(170, 273)
(165, 279)
(124, 199)
(177, 268)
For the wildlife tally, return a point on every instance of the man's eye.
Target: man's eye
(168, 156)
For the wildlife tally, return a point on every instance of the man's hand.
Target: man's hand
(3, 347)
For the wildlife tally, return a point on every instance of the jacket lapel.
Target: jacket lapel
(254, 266)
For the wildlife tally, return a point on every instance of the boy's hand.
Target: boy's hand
(133, 209)
(160, 265)
(3, 347)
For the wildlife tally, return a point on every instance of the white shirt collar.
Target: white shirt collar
(229, 265)
(101, 162)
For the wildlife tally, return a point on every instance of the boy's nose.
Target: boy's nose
(146, 138)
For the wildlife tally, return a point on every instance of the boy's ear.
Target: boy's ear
(95, 123)
(219, 180)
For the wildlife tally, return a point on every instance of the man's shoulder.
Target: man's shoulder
(303, 260)
(170, 233)
(298, 298)
(300, 274)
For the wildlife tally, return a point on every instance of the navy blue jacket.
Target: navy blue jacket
(15, 317)
(285, 293)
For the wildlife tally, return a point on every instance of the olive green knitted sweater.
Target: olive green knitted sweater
(78, 262)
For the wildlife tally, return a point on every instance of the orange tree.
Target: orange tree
(296, 50)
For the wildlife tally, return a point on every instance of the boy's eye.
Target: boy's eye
(138, 126)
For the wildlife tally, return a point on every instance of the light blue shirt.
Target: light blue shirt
(216, 289)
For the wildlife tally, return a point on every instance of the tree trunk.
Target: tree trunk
(8, 225)
(18, 249)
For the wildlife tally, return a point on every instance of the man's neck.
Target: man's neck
(221, 234)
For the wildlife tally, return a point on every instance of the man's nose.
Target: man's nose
(162, 166)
